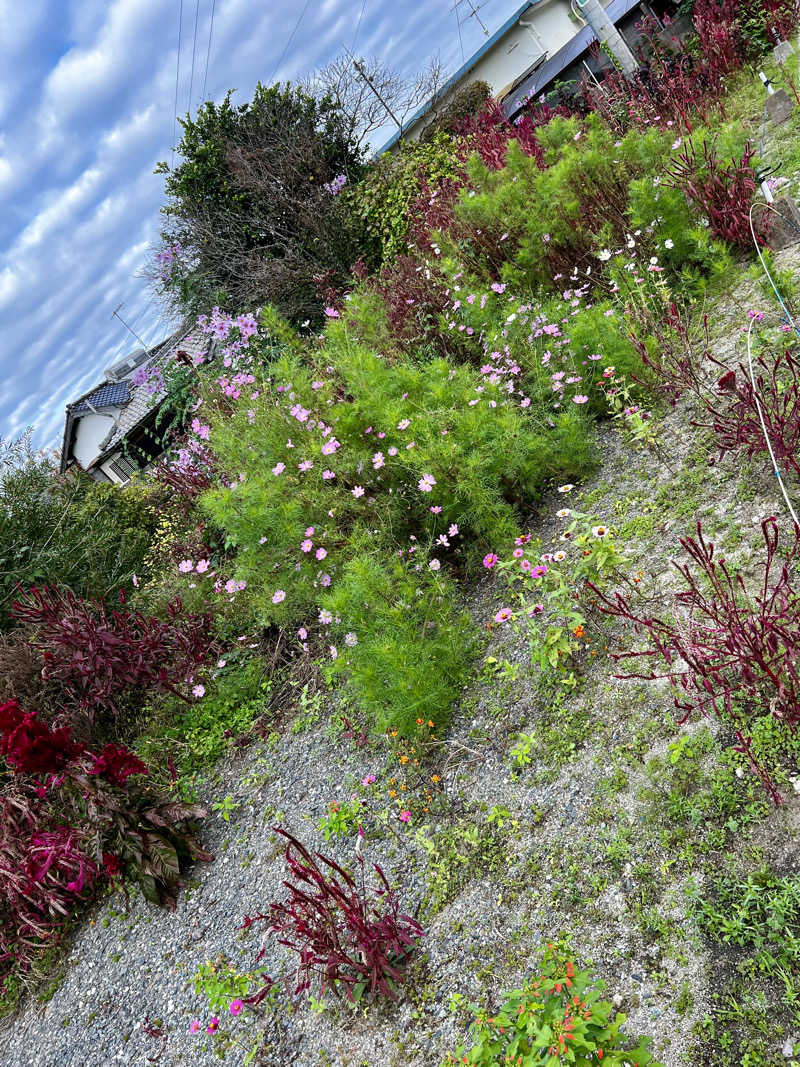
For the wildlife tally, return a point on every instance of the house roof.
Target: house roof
(133, 401)
(110, 395)
(459, 74)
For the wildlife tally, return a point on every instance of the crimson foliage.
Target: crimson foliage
(347, 935)
(732, 652)
(97, 656)
(735, 413)
(722, 192)
(71, 820)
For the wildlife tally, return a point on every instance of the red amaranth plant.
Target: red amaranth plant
(723, 193)
(98, 656)
(667, 348)
(489, 132)
(347, 935)
(734, 411)
(733, 652)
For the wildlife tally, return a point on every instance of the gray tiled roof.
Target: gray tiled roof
(142, 400)
(109, 395)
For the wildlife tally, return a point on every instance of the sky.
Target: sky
(87, 108)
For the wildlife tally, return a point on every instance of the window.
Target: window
(123, 468)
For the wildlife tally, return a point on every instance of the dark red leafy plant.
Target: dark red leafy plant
(733, 413)
(71, 818)
(97, 656)
(347, 936)
(722, 192)
(731, 651)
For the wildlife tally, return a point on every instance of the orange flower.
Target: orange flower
(579, 631)
(435, 778)
(430, 723)
(420, 722)
(392, 792)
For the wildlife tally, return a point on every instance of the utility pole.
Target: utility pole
(360, 68)
(607, 34)
(128, 328)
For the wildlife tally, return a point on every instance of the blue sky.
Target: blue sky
(87, 90)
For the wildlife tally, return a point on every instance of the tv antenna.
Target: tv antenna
(116, 313)
(473, 12)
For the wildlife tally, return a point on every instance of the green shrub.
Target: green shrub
(393, 423)
(543, 1023)
(405, 644)
(384, 197)
(201, 732)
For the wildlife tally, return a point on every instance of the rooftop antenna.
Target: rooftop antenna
(116, 313)
(473, 12)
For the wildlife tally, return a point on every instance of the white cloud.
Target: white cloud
(88, 89)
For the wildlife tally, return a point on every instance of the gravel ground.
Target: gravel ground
(128, 967)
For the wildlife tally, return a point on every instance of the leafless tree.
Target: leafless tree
(390, 97)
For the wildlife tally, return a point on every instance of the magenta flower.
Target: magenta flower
(489, 560)
(503, 615)
(236, 1007)
(194, 1026)
(539, 572)
(404, 816)
(368, 779)
(213, 1025)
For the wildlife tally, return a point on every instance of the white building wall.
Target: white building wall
(91, 429)
(553, 26)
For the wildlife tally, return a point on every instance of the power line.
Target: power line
(291, 38)
(358, 25)
(208, 50)
(460, 40)
(194, 46)
(177, 74)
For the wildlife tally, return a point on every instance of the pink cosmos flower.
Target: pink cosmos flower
(332, 313)
(202, 566)
(195, 1026)
(434, 564)
(306, 546)
(357, 491)
(328, 475)
(279, 468)
(350, 640)
(305, 465)
(503, 615)
(453, 531)
(368, 779)
(199, 691)
(333, 651)
(278, 596)
(185, 566)
(135, 580)
(435, 509)
(403, 424)
(321, 553)
(579, 399)
(302, 633)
